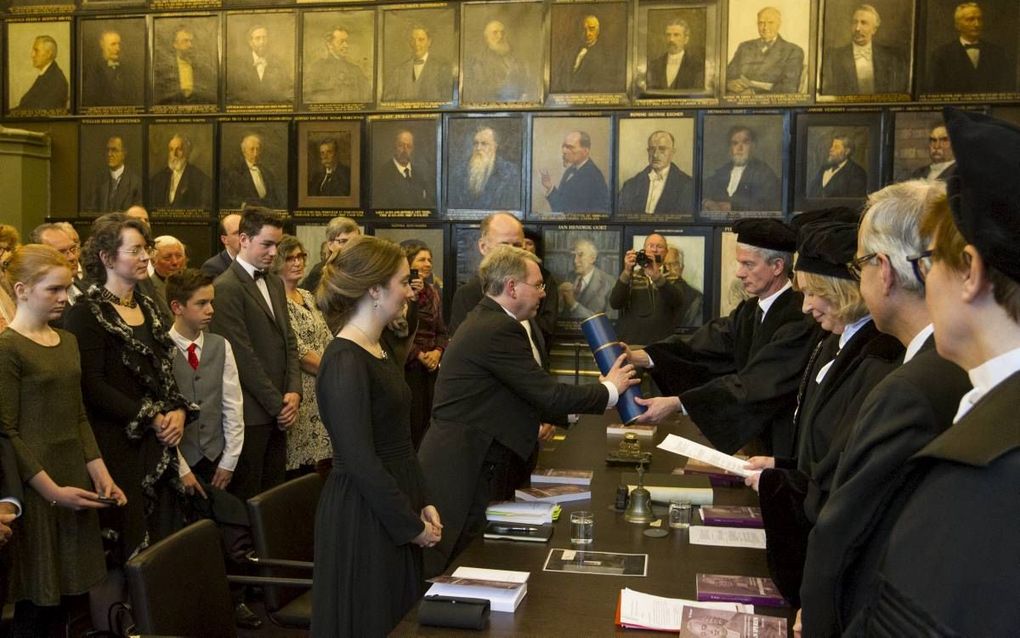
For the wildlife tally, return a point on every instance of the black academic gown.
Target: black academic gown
(792, 496)
(950, 558)
(903, 413)
(737, 383)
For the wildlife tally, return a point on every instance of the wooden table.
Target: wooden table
(566, 604)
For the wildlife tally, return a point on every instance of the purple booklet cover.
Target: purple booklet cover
(696, 621)
(732, 516)
(739, 589)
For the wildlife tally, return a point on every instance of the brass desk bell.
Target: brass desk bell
(639, 508)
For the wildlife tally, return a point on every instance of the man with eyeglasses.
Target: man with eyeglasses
(940, 152)
(490, 394)
(901, 414)
(55, 237)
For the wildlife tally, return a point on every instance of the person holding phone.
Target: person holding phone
(42, 414)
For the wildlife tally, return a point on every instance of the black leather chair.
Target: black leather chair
(283, 531)
(178, 586)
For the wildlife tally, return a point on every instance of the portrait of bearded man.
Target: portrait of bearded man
(488, 181)
(495, 72)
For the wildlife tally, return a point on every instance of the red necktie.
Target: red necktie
(192, 357)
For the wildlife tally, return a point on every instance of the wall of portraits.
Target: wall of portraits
(595, 122)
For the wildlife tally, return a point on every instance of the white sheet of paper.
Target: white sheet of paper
(656, 612)
(686, 447)
(727, 536)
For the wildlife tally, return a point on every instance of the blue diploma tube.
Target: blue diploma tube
(606, 348)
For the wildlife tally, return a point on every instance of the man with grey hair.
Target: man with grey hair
(767, 65)
(496, 229)
(840, 175)
(169, 256)
(582, 189)
(180, 185)
(56, 237)
(339, 231)
(333, 77)
(969, 63)
(680, 67)
(49, 89)
(864, 67)
(488, 181)
(494, 73)
(586, 293)
(490, 394)
(900, 415)
(219, 262)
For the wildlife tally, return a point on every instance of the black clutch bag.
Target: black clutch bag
(448, 611)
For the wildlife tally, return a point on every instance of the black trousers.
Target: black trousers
(500, 471)
(263, 461)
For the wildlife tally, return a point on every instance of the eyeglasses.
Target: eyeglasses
(137, 251)
(855, 265)
(921, 265)
(538, 286)
(298, 257)
(70, 250)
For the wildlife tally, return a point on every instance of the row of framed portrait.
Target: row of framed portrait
(678, 167)
(513, 54)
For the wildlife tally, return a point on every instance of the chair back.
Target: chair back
(178, 586)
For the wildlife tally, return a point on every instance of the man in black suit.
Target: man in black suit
(49, 90)
(864, 67)
(332, 178)
(969, 64)
(423, 77)
(840, 176)
(661, 187)
(488, 182)
(490, 395)
(250, 182)
(333, 77)
(180, 184)
(679, 67)
(940, 152)
(116, 187)
(251, 313)
(745, 182)
(901, 414)
(257, 77)
(215, 265)
(112, 80)
(181, 76)
(400, 182)
(737, 377)
(582, 189)
(593, 67)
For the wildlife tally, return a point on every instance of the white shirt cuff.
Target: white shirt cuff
(651, 364)
(13, 501)
(614, 394)
(183, 469)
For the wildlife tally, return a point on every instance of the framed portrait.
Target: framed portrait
(838, 159)
(465, 251)
(484, 156)
(405, 160)
(338, 54)
(260, 50)
(921, 146)
(586, 260)
(654, 165)
(180, 169)
(866, 51)
(688, 268)
(730, 290)
(185, 64)
(502, 66)
(38, 60)
(571, 167)
(1008, 113)
(329, 164)
(677, 51)
(589, 49)
(195, 235)
(433, 237)
(969, 50)
(742, 166)
(112, 54)
(769, 57)
(419, 52)
(63, 161)
(254, 157)
(110, 158)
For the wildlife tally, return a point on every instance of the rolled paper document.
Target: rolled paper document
(606, 348)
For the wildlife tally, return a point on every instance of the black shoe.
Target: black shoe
(245, 618)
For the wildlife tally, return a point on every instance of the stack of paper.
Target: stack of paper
(641, 430)
(561, 477)
(533, 513)
(554, 493)
(504, 589)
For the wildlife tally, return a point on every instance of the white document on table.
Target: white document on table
(686, 447)
(645, 611)
(727, 536)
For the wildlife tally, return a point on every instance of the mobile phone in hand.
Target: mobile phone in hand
(413, 275)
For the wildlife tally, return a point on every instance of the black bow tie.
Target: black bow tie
(258, 274)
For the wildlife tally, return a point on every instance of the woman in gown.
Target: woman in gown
(57, 551)
(373, 517)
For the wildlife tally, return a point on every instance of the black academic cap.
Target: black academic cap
(825, 247)
(768, 233)
(836, 214)
(984, 194)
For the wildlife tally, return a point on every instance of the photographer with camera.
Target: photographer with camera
(643, 295)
